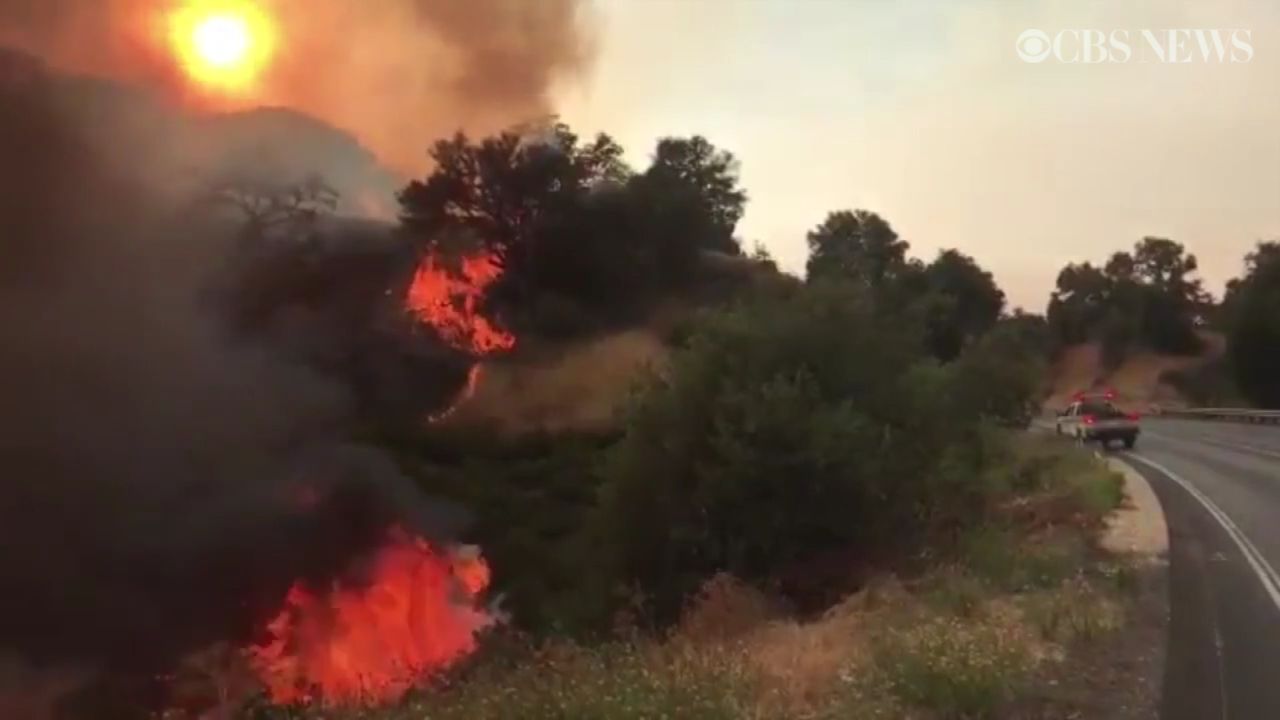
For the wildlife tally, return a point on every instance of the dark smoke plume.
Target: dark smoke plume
(397, 73)
(163, 484)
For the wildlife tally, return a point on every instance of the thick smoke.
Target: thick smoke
(163, 484)
(396, 73)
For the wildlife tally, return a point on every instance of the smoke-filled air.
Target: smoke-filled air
(347, 371)
(184, 470)
(391, 72)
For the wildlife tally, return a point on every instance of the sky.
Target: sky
(924, 112)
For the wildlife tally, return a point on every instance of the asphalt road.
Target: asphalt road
(1219, 484)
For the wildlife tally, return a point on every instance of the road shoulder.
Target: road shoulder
(1138, 529)
(1223, 642)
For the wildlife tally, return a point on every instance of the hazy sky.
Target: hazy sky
(923, 112)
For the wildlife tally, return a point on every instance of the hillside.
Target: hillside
(578, 385)
(1138, 380)
(581, 384)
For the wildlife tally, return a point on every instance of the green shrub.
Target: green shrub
(1044, 465)
(956, 669)
(1099, 491)
(530, 497)
(957, 592)
(1075, 611)
(784, 429)
(1011, 561)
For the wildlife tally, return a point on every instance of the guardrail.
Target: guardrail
(1257, 417)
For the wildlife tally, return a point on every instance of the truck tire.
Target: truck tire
(1129, 442)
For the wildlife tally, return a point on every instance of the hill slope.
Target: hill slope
(1137, 380)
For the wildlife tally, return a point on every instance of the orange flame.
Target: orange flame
(417, 615)
(473, 380)
(450, 302)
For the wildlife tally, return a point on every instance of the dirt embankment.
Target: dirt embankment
(1137, 381)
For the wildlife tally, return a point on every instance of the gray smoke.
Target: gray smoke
(396, 73)
(164, 482)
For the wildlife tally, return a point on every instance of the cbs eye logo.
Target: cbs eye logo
(1034, 46)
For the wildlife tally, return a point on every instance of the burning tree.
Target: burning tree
(568, 223)
(449, 300)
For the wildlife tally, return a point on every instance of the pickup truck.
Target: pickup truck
(1098, 420)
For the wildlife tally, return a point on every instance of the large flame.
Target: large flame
(416, 615)
(222, 45)
(449, 301)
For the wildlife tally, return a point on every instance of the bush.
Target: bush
(531, 496)
(1001, 557)
(783, 430)
(956, 591)
(999, 378)
(957, 669)
(1077, 611)
(1207, 385)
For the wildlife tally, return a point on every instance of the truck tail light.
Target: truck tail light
(1089, 419)
(1135, 417)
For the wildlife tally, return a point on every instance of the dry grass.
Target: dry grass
(959, 667)
(1077, 610)
(966, 640)
(726, 609)
(888, 652)
(798, 667)
(1137, 380)
(578, 386)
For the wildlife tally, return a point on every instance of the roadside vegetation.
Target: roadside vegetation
(1150, 299)
(1251, 317)
(820, 502)
(974, 628)
(1147, 298)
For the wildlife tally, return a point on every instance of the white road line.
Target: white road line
(1266, 574)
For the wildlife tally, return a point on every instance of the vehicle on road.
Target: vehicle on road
(1097, 419)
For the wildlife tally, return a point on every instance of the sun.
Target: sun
(223, 46)
(222, 41)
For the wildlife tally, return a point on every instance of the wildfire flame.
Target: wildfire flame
(416, 615)
(222, 45)
(449, 301)
(469, 389)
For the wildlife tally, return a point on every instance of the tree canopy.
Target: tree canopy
(1253, 326)
(960, 300)
(582, 238)
(856, 245)
(1148, 297)
(708, 177)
